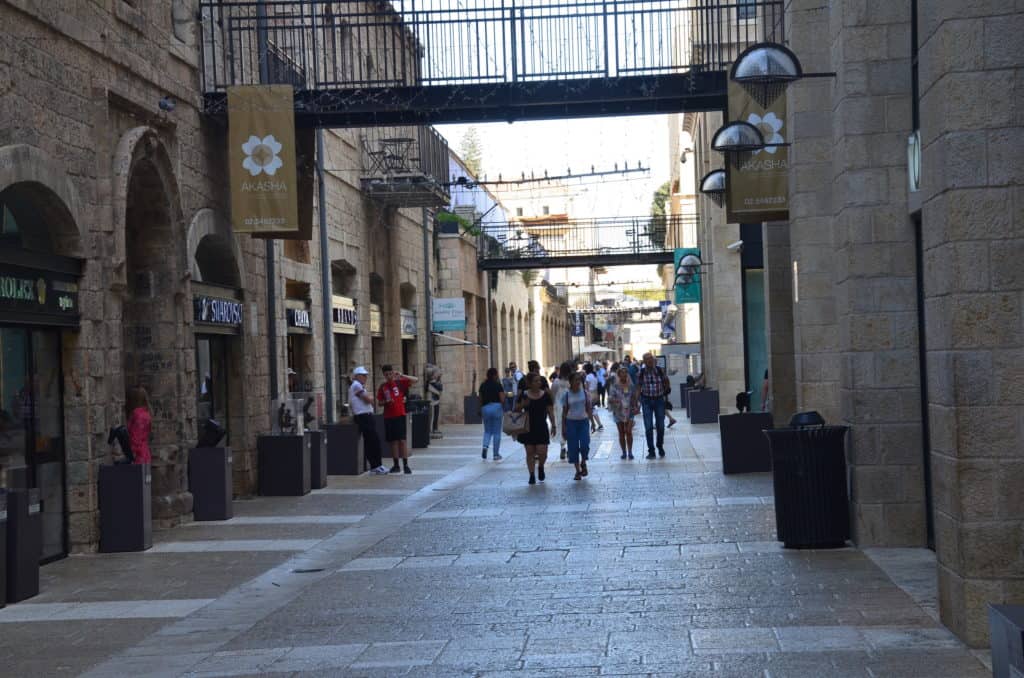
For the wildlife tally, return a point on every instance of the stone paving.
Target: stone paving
(645, 568)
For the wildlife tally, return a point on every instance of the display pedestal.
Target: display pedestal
(283, 466)
(125, 507)
(344, 450)
(209, 481)
(1006, 624)
(316, 441)
(24, 544)
(684, 400)
(419, 423)
(703, 406)
(471, 410)
(744, 446)
(3, 548)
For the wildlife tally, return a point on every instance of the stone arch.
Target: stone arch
(34, 183)
(150, 270)
(407, 295)
(214, 253)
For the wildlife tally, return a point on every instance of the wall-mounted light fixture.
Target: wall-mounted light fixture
(713, 185)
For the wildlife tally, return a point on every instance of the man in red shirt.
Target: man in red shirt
(392, 393)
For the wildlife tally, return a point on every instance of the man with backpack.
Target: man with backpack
(654, 389)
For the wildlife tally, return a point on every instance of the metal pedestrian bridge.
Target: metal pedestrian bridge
(370, 63)
(559, 242)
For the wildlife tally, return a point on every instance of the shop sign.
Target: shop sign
(688, 293)
(262, 159)
(344, 318)
(299, 318)
(758, 183)
(376, 326)
(408, 323)
(38, 292)
(214, 311)
(449, 314)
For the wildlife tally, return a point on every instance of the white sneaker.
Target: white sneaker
(380, 470)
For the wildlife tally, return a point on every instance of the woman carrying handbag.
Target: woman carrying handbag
(536, 402)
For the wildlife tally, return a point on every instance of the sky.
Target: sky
(557, 145)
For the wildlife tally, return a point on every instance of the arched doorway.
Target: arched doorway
(154, 341)
(218, 320)
(40, 242)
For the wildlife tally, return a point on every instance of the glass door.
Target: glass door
(212, 366)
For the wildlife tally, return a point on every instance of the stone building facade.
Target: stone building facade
(114, 210)
(894, 292)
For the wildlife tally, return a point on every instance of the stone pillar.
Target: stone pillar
(874, 266)
(972, 128)
(815, 330)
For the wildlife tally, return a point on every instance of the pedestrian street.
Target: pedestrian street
(662, 568)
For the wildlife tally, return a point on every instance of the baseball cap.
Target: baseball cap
(360, 370)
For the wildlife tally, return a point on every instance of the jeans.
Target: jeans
(577, 432)
(492, 425)
(371, 441)
(654, 415)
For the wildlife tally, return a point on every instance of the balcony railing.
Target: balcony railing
(405, 166)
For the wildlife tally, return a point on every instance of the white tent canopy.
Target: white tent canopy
(595, 348)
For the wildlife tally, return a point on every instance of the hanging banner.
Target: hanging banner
(579, 326)
(688, 293)
(449, 314)
(758, 183)
(262, 159)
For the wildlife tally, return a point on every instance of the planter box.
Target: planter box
(344, 450)
(209, 481)
(1006, 624)
(744, 447)
(283, 466)
(125, 507)
(419, 425)
(316, 442)
(684, 391)
(471, 410)
(703, 406)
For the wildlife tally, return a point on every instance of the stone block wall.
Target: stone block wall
(972, 124)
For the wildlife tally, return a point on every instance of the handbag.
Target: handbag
(515, 423)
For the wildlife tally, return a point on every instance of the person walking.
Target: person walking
(602, 381)
(392, 393)
(435, 389)
(534, 368)
(508, 383)
(634, 369)
(492, 402)
(140, 425)
(559, 385)
(590, 383)
(577, 409)
(653, 389)
(536, 402)
(361, 403)
(517, 374)
(624, 403)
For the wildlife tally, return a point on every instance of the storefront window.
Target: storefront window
(212, 366)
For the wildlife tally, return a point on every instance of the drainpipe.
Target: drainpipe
(325, 278)
(427, 293)
(271, 268)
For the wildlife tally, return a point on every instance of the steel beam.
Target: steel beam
(578, 261)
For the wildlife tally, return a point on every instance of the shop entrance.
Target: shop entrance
(212, 353)
(32, 426)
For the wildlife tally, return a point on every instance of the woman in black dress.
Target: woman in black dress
(540, 409)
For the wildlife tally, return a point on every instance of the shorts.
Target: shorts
(394, 429)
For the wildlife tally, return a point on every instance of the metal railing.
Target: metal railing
(561, 242)
(340, 45)
(405, 165)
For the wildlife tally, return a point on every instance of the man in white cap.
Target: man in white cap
(361, 402)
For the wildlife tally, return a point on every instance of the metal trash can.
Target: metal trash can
(419, 422)
(809, 476)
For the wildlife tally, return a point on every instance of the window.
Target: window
(746, 9)
(547, 210)
(519, 211)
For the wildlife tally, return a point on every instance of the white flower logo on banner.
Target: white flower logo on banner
(261, 155)
(769, 126)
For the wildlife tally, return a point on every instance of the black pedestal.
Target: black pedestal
(419, 422)
(703, 406)
(471, 410)
(1006, 624)
(209, 481)
(125, 508)
(3, 548)
(283, 466)
(684, 390)
(344, 450)
(744, 446)
(315, 441)
(24, 544)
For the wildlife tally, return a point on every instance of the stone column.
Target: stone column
(972, 127)
(778, 292)
(874, 266)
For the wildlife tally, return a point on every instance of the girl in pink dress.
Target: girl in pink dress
(140, 424)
